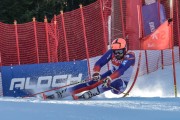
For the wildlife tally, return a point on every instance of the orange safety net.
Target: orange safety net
(8, 47)
(85, 33)
(82, 34)
(26, 44)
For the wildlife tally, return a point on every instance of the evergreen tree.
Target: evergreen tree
(24, 10)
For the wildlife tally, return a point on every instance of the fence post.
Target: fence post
(0, 60)
(36, 41)
(104, 30)
(17, 41)
(47, 38)
(85, 40)
(65, 37)
(122, 19)
(56, 40)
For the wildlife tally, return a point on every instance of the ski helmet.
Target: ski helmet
(119, 48)
(118, 43)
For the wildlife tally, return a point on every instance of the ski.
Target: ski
(32, 95)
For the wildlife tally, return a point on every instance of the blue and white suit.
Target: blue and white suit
(120, 73)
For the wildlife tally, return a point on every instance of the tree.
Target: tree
(24, 10)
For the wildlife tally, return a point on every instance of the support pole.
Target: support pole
(36, 41)
(47, 38)
(85, 40)
(65, 37)
(56, 40)
(17, 41)
(122, 19)
(0, 59)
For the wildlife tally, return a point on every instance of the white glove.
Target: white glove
(96, 76)
(106, 82)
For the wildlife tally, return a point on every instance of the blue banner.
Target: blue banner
(152, 17)
(25, 80)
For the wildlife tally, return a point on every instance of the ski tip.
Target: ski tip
(75, 97)
(43, 96)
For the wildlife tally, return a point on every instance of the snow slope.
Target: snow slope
(151, 98)
(101, 109)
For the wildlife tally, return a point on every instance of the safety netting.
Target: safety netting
(86, 33)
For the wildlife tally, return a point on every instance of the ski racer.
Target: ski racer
(115, 79)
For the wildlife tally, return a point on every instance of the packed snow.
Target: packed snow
(152, 98)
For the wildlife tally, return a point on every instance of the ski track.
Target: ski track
(159, 104)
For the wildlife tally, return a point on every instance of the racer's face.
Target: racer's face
(119, 54)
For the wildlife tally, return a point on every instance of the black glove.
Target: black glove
(170, 20)
(106, 82)
(96, 76)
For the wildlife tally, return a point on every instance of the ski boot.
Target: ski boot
(87, 95)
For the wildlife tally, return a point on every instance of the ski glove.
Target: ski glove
(96, 76)
(106, 82)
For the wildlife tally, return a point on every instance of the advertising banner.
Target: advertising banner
(153, 16)
(160, 39)
(24, 80)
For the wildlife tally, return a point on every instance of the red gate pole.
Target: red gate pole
(65, 37)
(85, 40)
(140, 56)
(36, 41)
(56, 40)
(146, 55)
(173, 62)
(162, 54)
(17, 41)
(47, 38)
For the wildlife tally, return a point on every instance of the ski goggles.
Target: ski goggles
(120, 51)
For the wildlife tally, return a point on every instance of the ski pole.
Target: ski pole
(118, 90)
(86, 80)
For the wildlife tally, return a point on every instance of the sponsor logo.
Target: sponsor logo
(152, 26)
(44, 81)
(124, 62)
